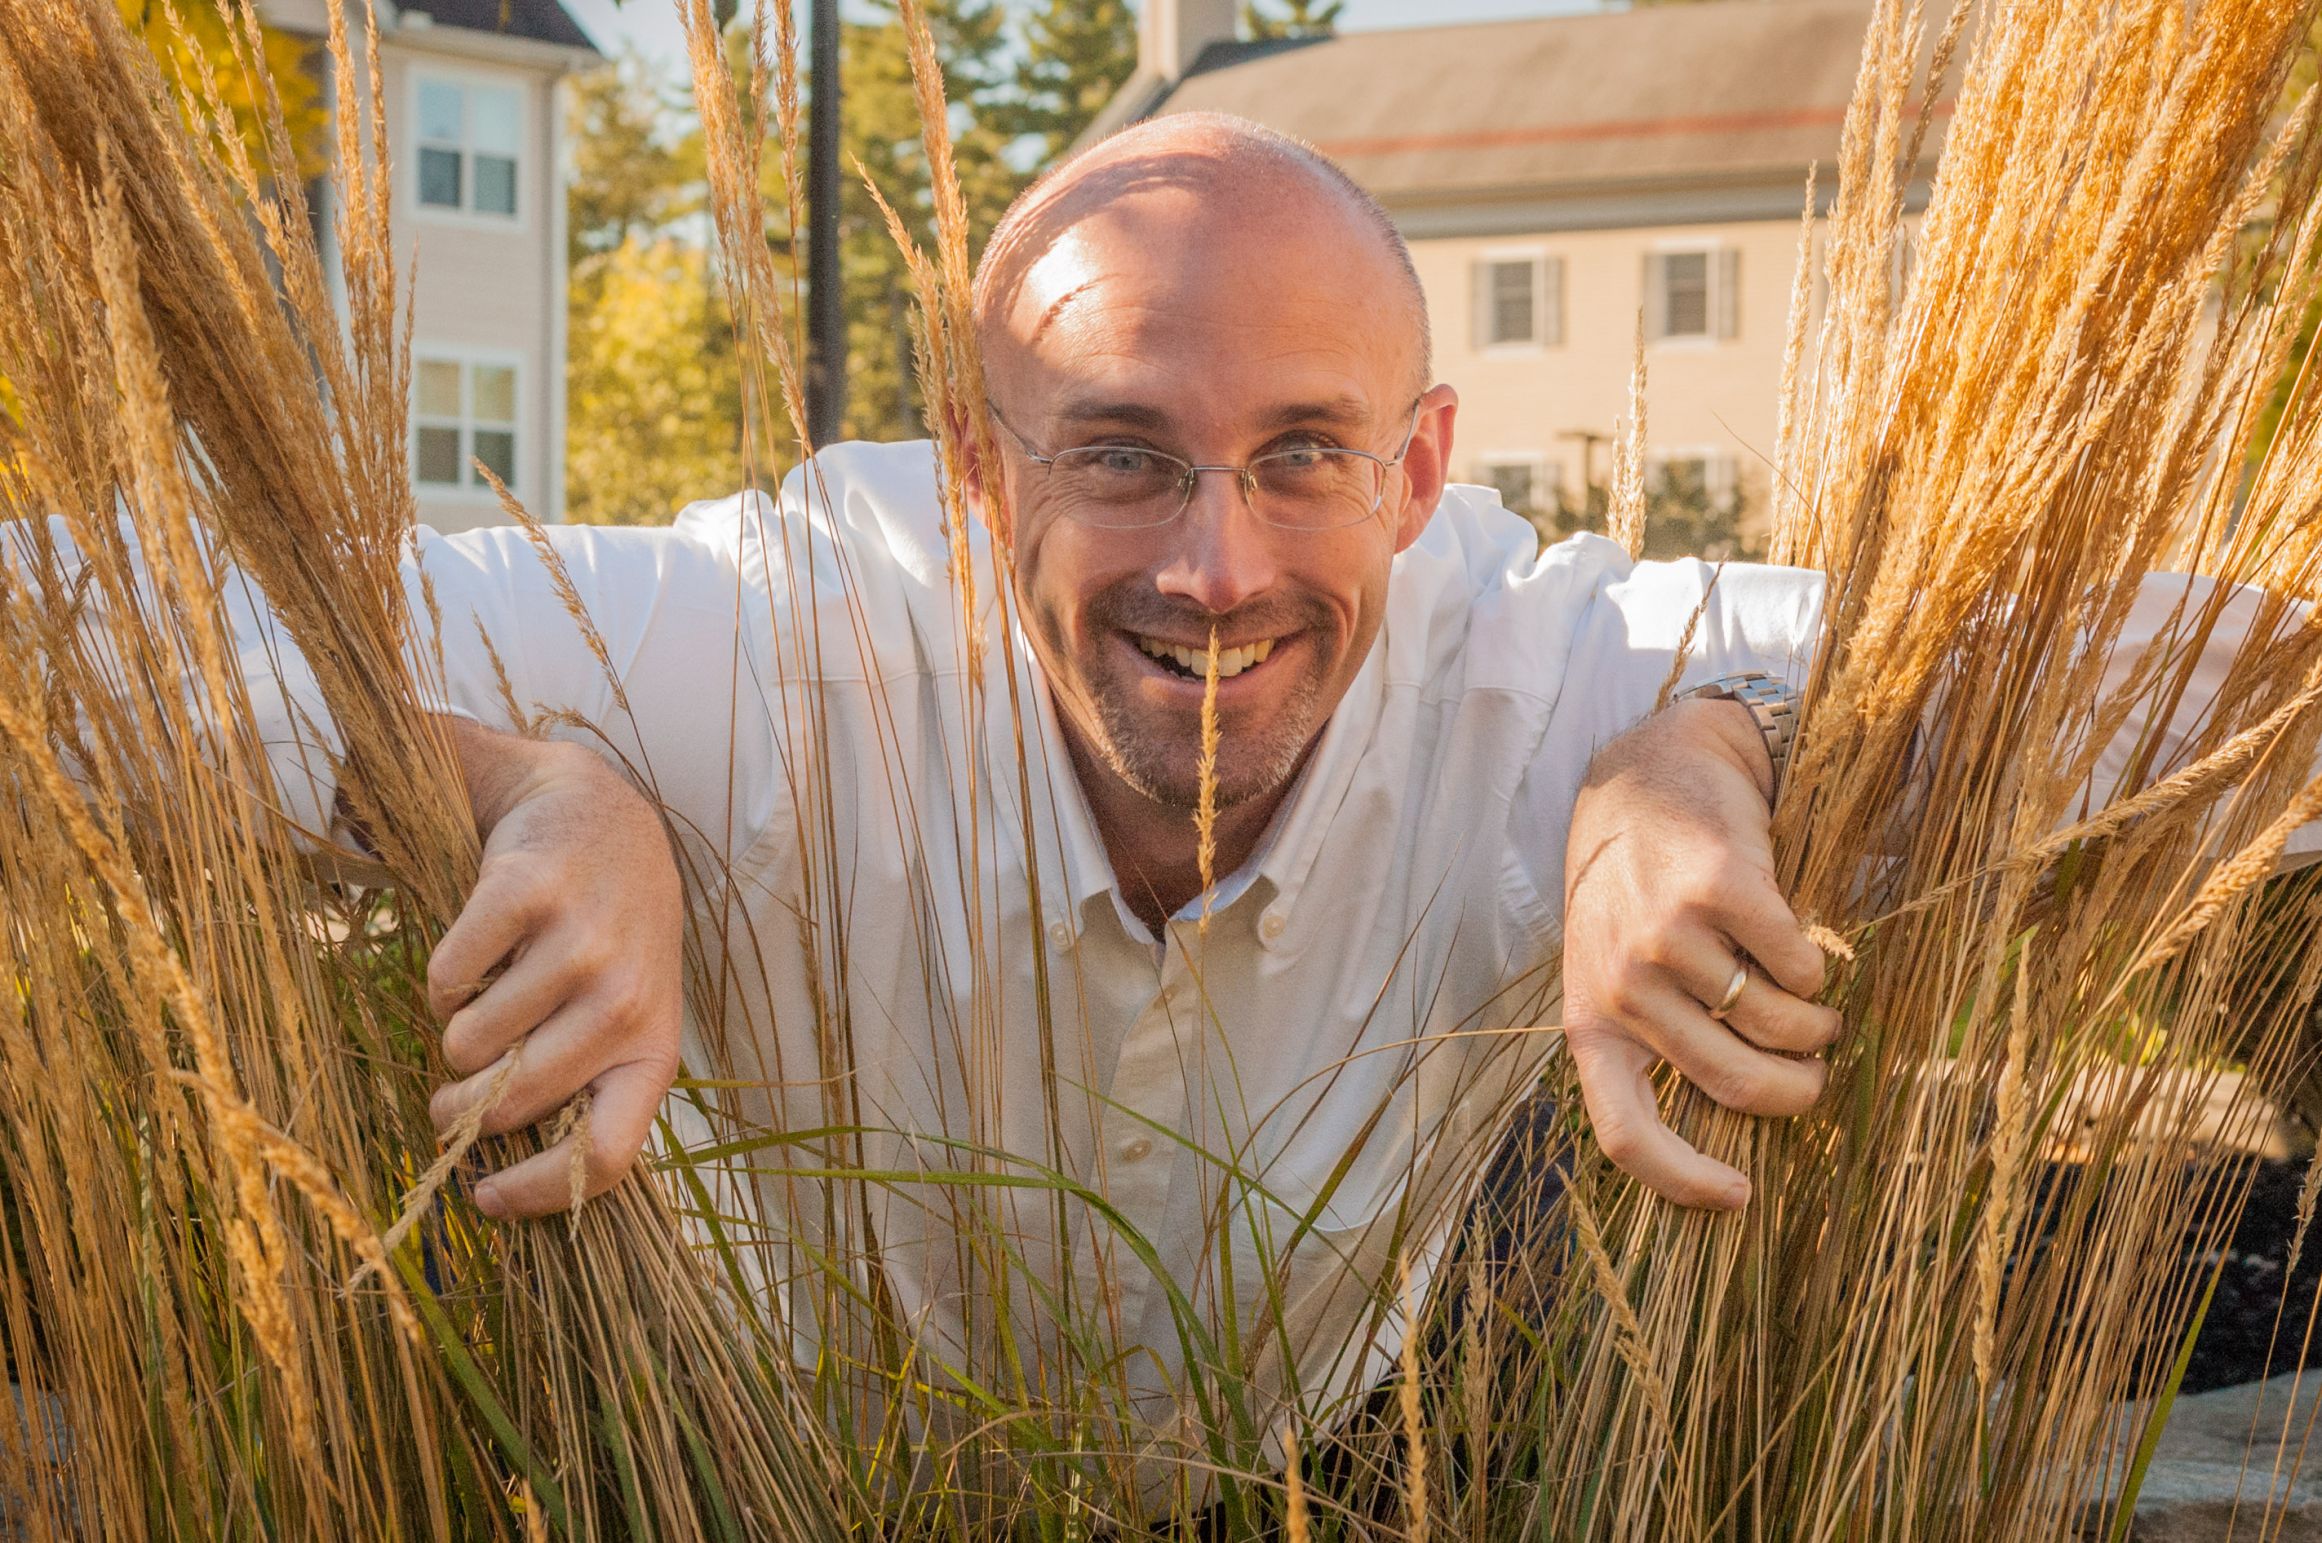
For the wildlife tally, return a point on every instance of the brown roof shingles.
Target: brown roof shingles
(1680, 92)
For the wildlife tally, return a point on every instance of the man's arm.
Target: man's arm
(568, 955)
(1669, 886)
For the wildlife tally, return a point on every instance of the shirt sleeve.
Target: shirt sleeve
(631, 641)
(298, 744)
(1626, 635)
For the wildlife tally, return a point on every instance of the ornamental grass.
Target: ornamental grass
(243, 1292)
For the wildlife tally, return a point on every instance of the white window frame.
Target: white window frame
(1721, 260)
(1532, 461)
(527, 150)
(468, 358)
(1721, 472)
(1547, 300)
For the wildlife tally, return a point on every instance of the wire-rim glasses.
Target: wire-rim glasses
(1134, 487)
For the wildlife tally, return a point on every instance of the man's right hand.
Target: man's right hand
(578, 906)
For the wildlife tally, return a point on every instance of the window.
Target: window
(1693, 293)
(1703, 481)
(470, 139)
(1519, 301)
(1527, 484)
(465, 412)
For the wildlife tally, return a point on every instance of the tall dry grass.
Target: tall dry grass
(216, 1072)
(1923, 1326)
(219, 1057)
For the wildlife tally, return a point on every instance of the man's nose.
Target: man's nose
(1224, 553)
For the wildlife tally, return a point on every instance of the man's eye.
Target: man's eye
(1123, 460)
(1301, 457)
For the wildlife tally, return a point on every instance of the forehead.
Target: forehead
(1180, 293)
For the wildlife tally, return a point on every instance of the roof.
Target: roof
(544, 21)
(1740, 89)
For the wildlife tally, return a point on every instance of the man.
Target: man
(1208, 352)
(1197, 285)
(958, 914)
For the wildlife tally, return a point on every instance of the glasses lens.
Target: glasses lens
(1315, 488)
(1117, 485)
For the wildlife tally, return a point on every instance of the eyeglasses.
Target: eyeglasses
(1128, 487)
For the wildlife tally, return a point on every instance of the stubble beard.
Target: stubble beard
(1164, 764)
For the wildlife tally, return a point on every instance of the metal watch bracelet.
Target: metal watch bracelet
(1773, 703)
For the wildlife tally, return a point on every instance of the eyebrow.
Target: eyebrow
(1337, 412)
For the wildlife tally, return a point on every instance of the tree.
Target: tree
(637, 160)
(1295, 19)
(205, 49)
(654, 396)
(653, 381)
(1076, 55)
(881, 135)
(654, 400)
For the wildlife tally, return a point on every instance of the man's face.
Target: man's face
(1166, 322)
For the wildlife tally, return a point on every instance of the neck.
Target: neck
(1155, 854)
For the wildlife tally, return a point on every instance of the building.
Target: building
(475, 112)
(1563, 182)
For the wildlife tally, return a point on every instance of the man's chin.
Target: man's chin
(1169, 773)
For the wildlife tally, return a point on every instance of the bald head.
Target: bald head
(1207, 186)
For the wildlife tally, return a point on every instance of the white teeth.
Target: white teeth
(1195, 661)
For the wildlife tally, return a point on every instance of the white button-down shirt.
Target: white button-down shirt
(1202, 1152)
(918, 937)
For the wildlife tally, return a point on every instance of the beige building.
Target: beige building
(476, 134)
(1562, 182)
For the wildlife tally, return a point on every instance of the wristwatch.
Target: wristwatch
(1773, 703)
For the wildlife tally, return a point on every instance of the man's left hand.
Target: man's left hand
(1669, 890)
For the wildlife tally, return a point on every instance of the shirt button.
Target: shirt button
(1135, 1150)
(1271, 927)
(1059, 934)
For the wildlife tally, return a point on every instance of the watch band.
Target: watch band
(1773, 703)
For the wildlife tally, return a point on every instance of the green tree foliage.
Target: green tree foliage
(1266, 23)
(654, 407)
(637, 160)
(1075, 55)
(653, 386)
(880, 129)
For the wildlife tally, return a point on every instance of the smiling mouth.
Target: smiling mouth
(1193, 663)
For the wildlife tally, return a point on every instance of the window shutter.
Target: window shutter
(1729, 293)
(1656, 297)
(1552, 302)
(1480, 283)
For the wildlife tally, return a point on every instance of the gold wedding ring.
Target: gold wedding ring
(1741, 978)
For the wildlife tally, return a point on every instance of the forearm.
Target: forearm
(503, 770)
(1685, 743)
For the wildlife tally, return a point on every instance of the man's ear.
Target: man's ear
(1427, 463)
(983, 481)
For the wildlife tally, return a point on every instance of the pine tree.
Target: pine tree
(880, 131)
(1295, 19)
(1076, 55)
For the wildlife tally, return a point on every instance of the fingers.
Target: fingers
(562, 1056)
(1616, 1082)
(1760, 922)
(501, 909)
(1722, 1064)
(620, 1120)
(520, 1000)
(1764, 1014)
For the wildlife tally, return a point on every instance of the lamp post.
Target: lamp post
(826, 314)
